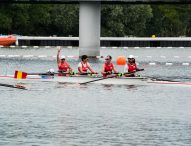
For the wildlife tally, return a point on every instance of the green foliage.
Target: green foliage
(125, 20)
(136, 18)
(5, 20)
(170, 20)
(64, 20)
(111, 21)
(116, 20)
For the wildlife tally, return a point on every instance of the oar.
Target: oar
(53, 73)
(98, 79)
(129, 73)
(13, 86)
(159, 79)
(19, 74)
(108, 77)
(88, 73)
(134, 71)
(64, 73)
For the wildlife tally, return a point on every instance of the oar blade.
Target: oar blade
(20, 75)
(18, 86)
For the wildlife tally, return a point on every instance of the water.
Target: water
(55, 114)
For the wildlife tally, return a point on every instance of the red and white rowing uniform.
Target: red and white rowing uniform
(109, 67)
(84, 66)
(63, 66)
(130, 67)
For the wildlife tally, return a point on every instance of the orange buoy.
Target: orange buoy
(121, 60)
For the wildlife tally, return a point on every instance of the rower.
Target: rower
(108, 68)
(63, 65)
(84, 66)
(131, 67)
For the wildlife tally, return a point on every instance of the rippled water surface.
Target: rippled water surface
(53, 114)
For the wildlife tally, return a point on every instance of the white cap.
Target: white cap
(131, 56)
(51, 70)
(63, 57)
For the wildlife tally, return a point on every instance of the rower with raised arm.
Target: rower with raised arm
(131, 67)
(63, 65)
(84, 66)
(108, 68)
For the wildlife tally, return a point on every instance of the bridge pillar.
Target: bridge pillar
(89, 28)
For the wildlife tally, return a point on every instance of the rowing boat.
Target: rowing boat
(7, 40)
(81, 79)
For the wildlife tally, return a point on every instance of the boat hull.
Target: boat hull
(82, 79)
(7, 40)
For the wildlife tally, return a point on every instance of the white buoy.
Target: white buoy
(152, 63)
(149, 56)
(168, 63)
(186, 64)
(42, 56)
(28, 56)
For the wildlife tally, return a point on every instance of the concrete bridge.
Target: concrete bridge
(90, 18)
(101, 1)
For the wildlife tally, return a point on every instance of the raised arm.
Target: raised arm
(58, 55)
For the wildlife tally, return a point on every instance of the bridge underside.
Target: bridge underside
(102, 1)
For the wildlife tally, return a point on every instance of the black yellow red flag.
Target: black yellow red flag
(20, 75)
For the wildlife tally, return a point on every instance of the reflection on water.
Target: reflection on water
(95, 114)
(130, 87)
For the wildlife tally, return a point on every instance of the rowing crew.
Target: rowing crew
(108, 67)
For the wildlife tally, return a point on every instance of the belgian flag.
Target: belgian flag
(20, 75)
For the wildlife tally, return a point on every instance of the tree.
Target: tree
(5, 20)
(125, 20)
(135, 19)
(111, 21)
(20, 18)
(169, 20)
(65, 20)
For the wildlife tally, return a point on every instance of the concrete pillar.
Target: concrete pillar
(89, 28)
